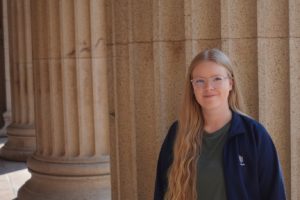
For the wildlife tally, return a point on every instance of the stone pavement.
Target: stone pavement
(14, 174)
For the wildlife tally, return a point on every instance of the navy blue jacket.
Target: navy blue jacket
(250, 162)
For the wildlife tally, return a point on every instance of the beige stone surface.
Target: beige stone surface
(167, 17)
(294, 17)
(120, 21)
(295, 116)
(144, 117)
(122, 144)
(109, 78)
(169, 73)
(201, 44)
(204, 19)
(140, 15)
(238, 19)
(194, 46)
(243, 54)
(21, 133)
(111, 98)
(274, 104)
(14, 174)
(272, 18)
(2, 75)
(72, 156)
(7, 115)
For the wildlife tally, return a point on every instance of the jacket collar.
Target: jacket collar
(237, 126)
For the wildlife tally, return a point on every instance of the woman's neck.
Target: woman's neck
(216, 119)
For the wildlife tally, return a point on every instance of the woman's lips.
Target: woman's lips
(208, 96)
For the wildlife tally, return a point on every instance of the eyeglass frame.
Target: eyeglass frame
(210, 80)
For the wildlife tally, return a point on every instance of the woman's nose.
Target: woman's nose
(208, 85)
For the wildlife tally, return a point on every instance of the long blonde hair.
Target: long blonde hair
(182, 173)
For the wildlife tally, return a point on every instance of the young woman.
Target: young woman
(214, 151)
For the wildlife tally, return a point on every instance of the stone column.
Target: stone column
(202, 26)
(70, 75)
(273, 77)
(132, 66)
(239, 31)
(6, 65)
(2, 72)
(261, 38)
(294, 77)
(21, 133)
(169, 62)
(149, 67)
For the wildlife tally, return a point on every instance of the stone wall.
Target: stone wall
(2, 72)
(124, 61)
(152, 43)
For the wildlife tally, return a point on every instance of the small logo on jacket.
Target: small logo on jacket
(241, 159)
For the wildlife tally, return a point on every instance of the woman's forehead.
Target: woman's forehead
(208, 69)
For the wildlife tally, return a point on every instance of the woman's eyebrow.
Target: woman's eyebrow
(208, 77)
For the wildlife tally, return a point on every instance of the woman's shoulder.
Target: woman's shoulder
(250, 122)
(254, 128)
(166, 151)
(170, 137)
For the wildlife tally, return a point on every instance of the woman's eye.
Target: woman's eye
(217, 79)
(200, 81)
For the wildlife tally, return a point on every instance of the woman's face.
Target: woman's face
(211, 85)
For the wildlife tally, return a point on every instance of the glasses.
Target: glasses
(214, 81)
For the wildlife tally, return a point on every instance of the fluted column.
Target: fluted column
(168, 70)
(273, 77)
(202, 26)
(69, 52)
(152, 39)
(2, 73)
(21, 133)
(169, 63)
(132, 48)
(149, 66)
(6, 67)
(294, 77)
(239, 31)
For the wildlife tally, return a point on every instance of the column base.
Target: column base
(67, 180)
(7, 121)
(49, 187)
(14, 155)
(20, 143)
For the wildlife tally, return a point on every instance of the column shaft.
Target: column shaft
(260, 37)
(69, 54)
(294, 77)
(202, 26)
(239, 41)
(168, 64)
(6, 66)
(149, 66)
(2, 73)
(21, 133)
(273, 76)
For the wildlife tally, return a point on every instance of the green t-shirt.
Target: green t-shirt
(210, 175)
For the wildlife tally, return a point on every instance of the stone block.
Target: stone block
(205, 19)
(274, 95)
(295, 116)
(272, 19)
(238, 19)
(243, 54)
(168, 20)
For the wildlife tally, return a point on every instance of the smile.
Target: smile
(207, 96)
